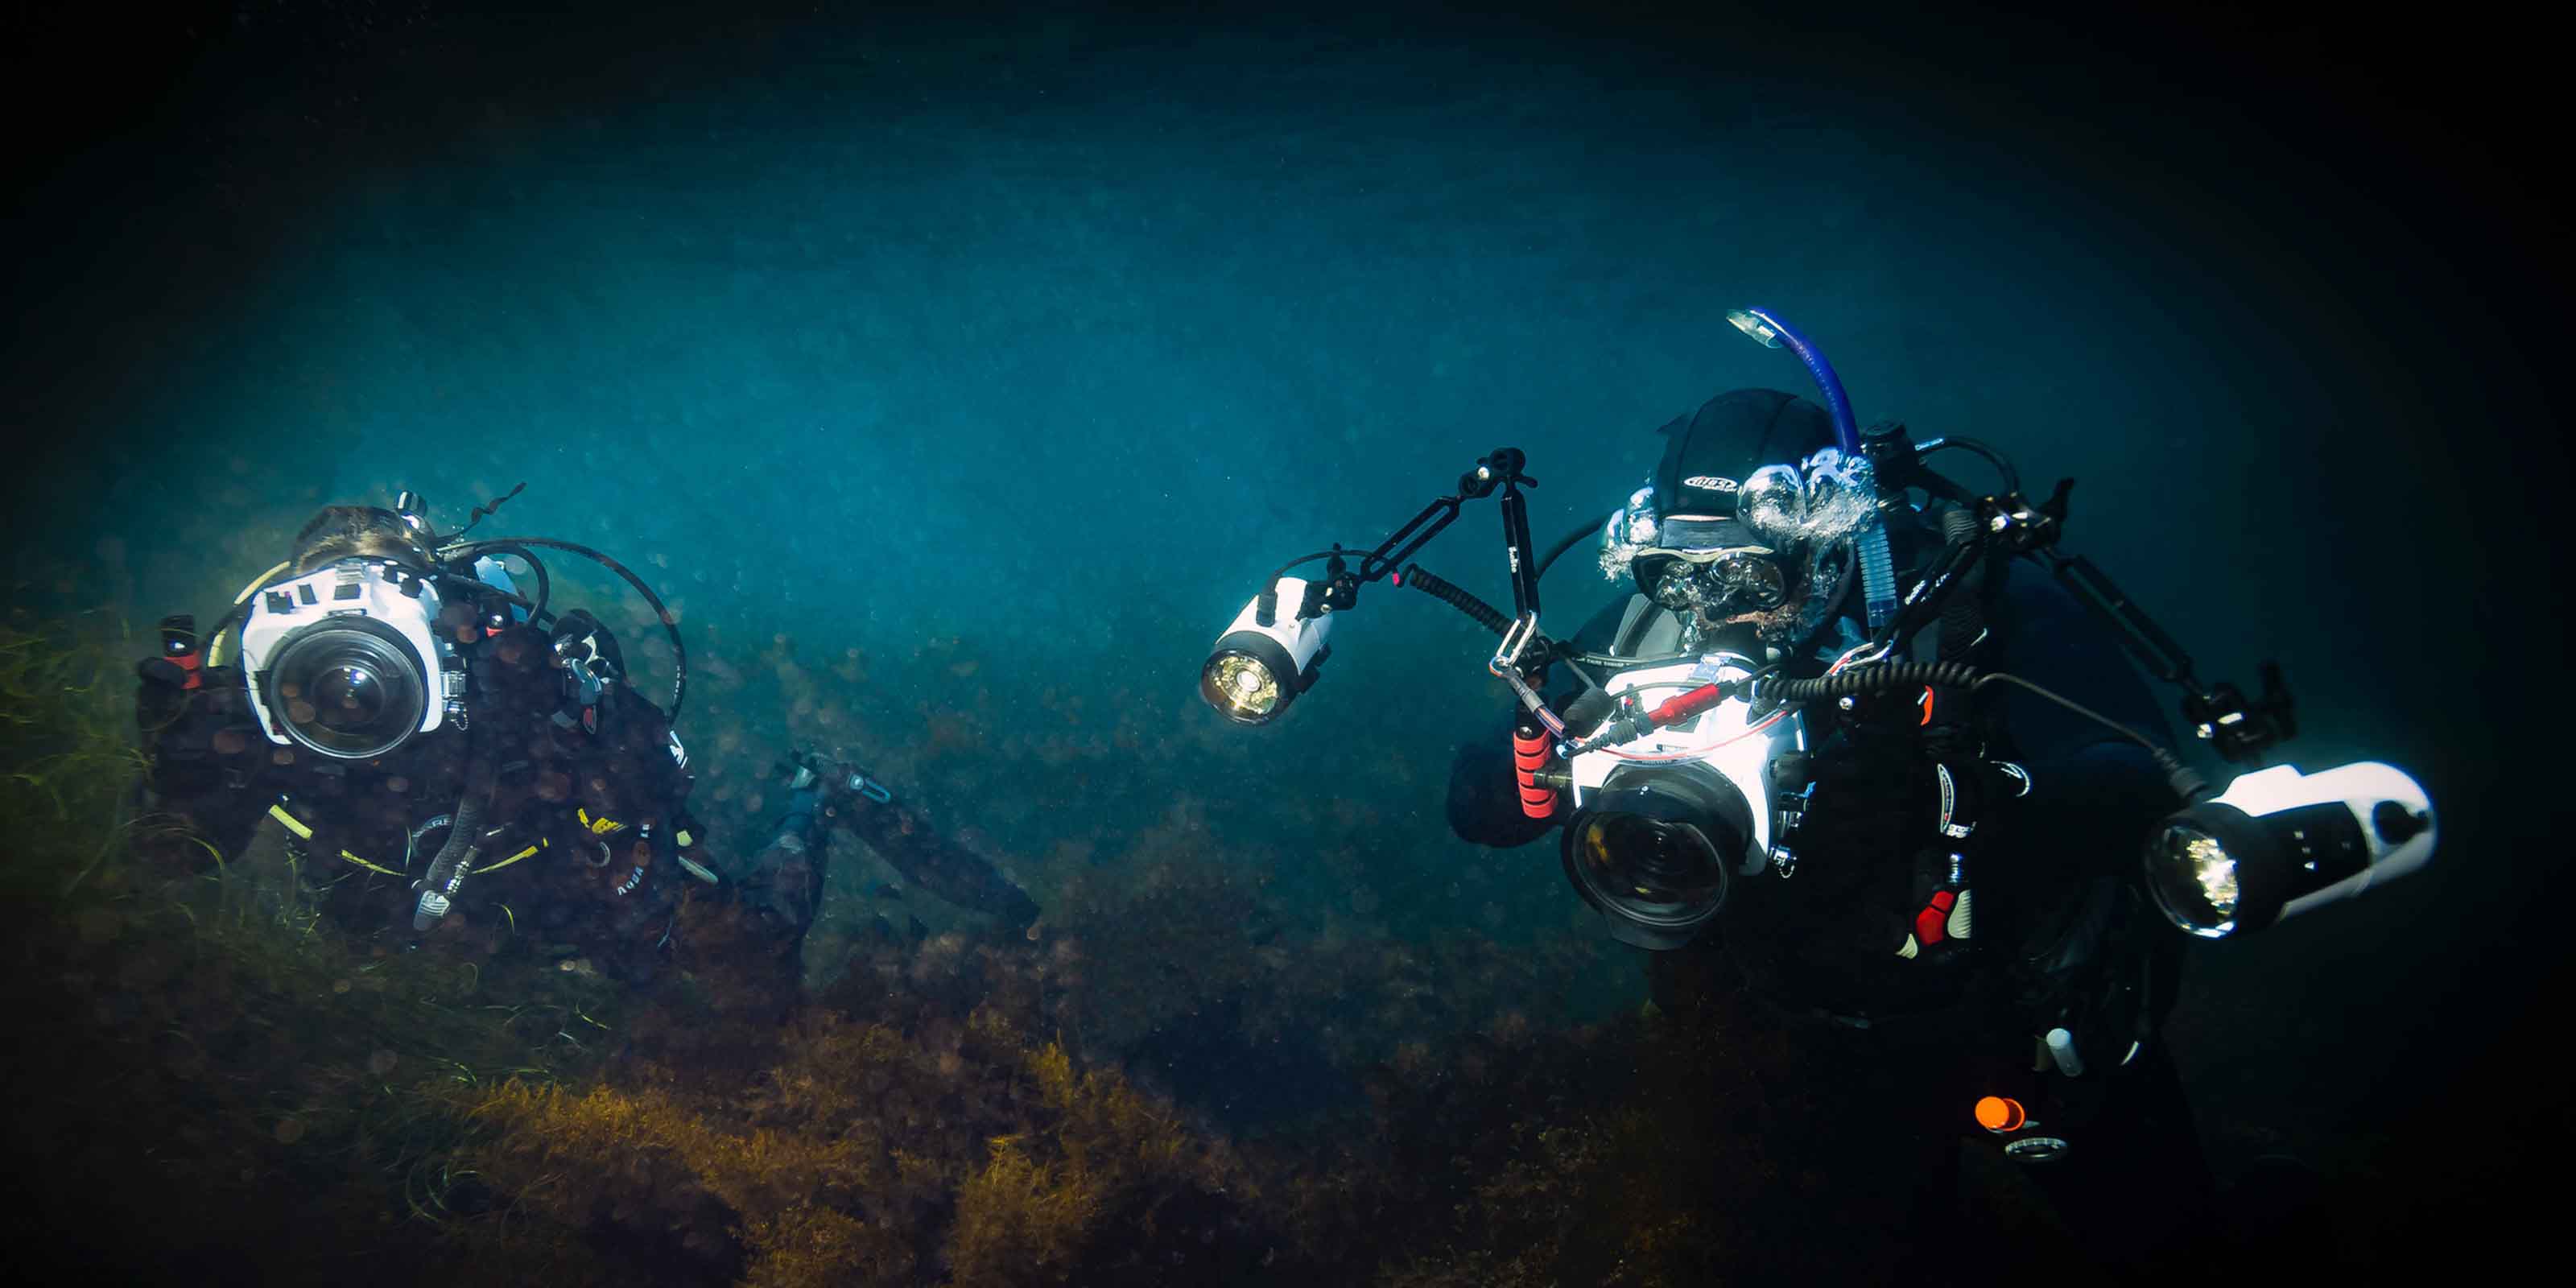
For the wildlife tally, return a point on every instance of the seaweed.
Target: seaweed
(209, 1059)
(231, 1085)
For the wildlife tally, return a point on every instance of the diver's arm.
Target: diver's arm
(2094, 790)
(782, 888)
(2063, 863)
(205, 759)
(628, 814)
(636, 770)
(1484, 801)
(1484, 792)
(647, 756)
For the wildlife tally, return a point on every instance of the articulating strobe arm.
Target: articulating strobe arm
(1339, 589)
(2238, 728)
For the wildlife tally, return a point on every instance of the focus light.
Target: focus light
(1256, 671)
(2277, 843)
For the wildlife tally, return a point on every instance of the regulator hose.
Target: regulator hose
(545, 584)
(447, 872)
(670, 624)
(1422, 579)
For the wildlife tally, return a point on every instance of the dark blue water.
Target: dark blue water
(934, 364)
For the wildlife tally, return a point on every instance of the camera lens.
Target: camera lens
(1653, 851)
(350, 688)
(1660, 862)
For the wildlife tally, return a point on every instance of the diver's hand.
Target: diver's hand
(840, 781)
(161, 672)
(845, 783)
(584, 648)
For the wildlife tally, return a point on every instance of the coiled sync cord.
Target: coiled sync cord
(1888, 677)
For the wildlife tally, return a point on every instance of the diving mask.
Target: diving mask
(1716, 583)
(1712, 564)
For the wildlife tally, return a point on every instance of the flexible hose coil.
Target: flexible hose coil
(1877, 573)
(1886, 677)
(447, 872)
(1889, 677)
(1962, 618)
(1486, 615)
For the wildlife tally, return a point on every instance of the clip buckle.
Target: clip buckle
(1516, 643)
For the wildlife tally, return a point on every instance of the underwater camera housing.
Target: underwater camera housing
(1664, 822)
(341, 650)
(342, 661)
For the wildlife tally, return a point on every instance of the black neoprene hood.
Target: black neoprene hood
(1708, 453)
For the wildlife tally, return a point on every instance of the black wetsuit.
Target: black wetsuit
(2063, 934)
(590, 810)
(595, 848)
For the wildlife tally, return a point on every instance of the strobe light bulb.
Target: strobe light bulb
(1256, 670)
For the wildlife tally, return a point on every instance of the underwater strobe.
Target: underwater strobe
(1266, 658)
(2277, 843)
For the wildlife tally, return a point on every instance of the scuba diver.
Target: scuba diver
(1849, 771)
(1873, 948)
(442, 750)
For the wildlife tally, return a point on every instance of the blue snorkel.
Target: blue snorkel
(1877, 566)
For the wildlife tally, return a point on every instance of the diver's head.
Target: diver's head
(361, 532)
(1686, 536)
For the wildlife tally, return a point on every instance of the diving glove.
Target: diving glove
(837, 779)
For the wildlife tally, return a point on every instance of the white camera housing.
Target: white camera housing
(351, 597)
(1718, 739)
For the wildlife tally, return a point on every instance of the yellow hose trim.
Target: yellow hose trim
(215, 646)
(368, 866)
(293, 824)
(305, 832)
(495, 867)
